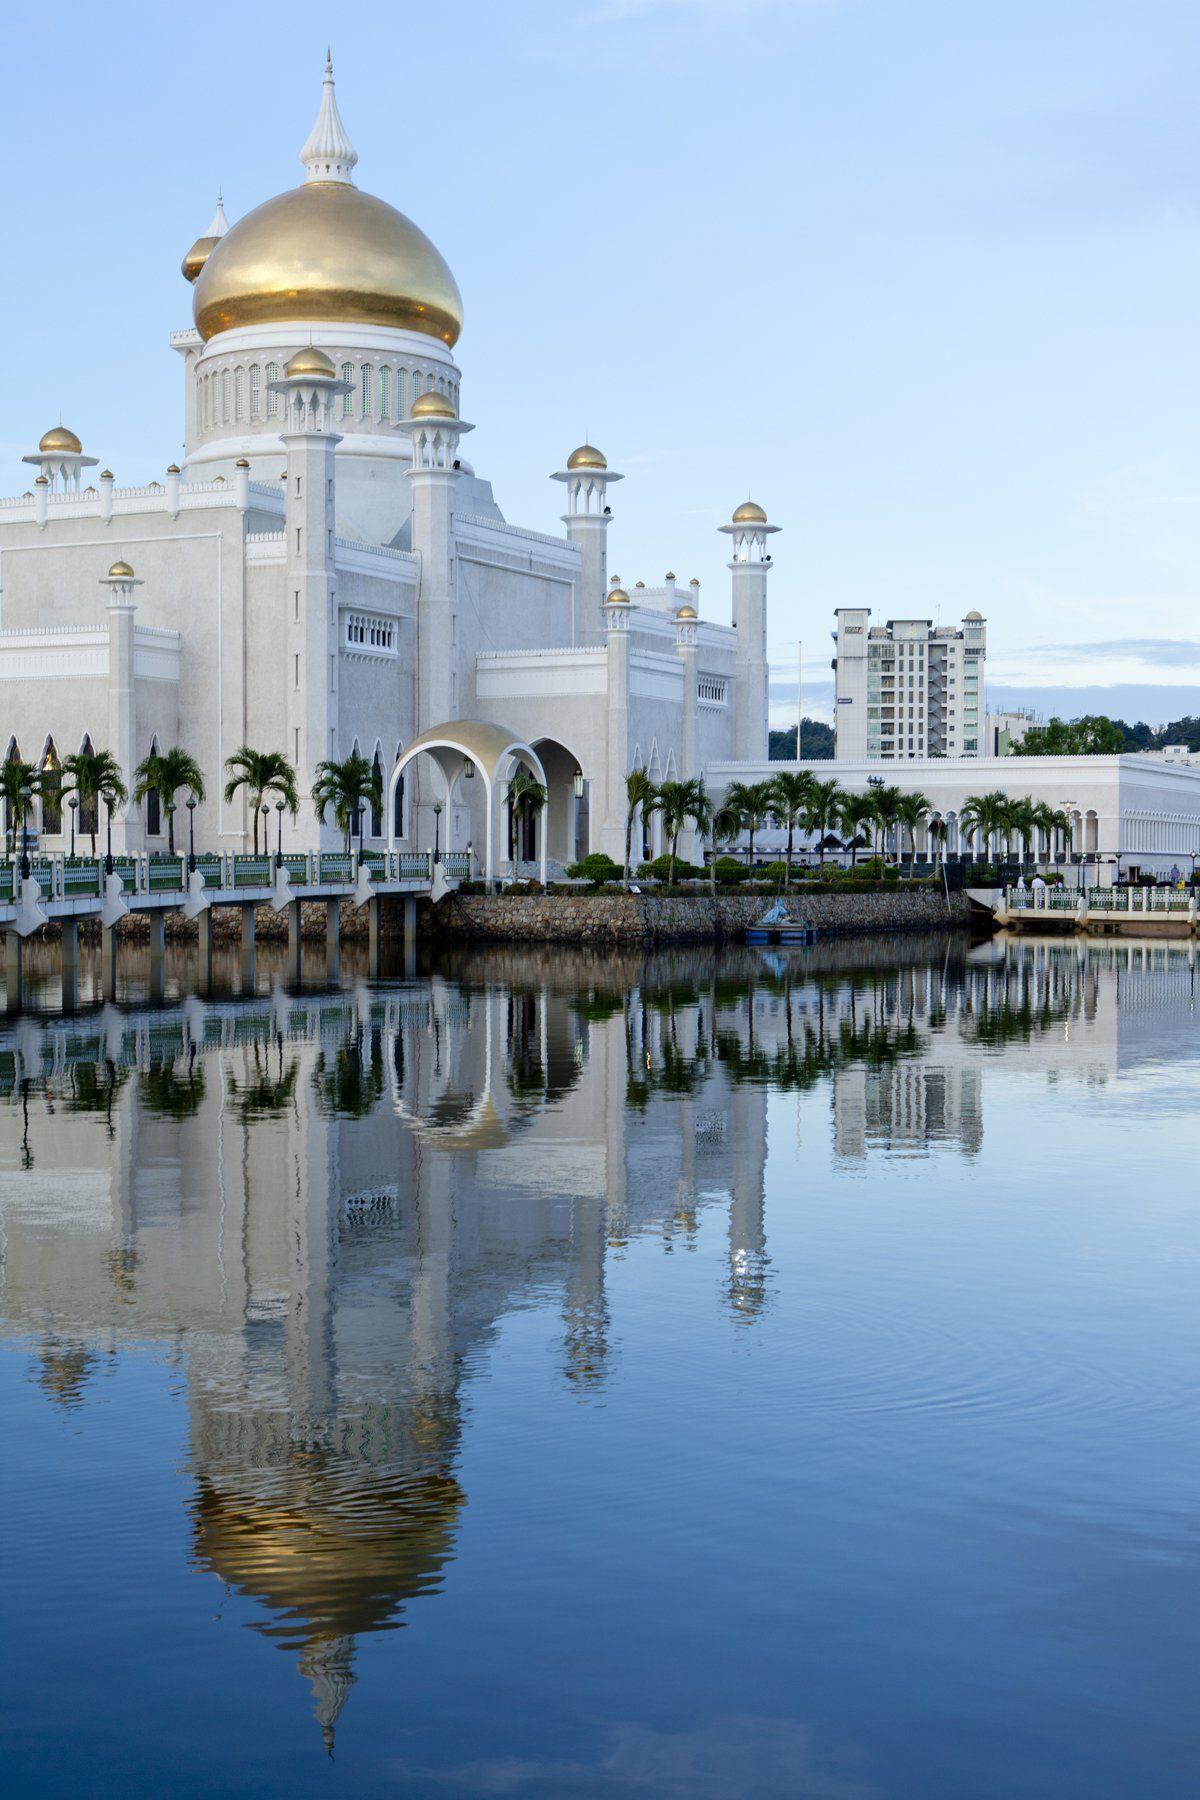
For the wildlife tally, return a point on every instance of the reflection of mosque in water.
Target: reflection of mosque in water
(325, 1206)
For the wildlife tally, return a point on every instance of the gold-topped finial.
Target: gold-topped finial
(749, 513)
(120, 571)
(432, 405)
(59, 438)
(587, 457)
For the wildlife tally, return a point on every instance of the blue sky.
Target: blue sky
(922, 277)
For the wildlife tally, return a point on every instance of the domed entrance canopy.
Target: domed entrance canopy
(470, 745)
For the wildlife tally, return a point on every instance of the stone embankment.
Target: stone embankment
(654, 919)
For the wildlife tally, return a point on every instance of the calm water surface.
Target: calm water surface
(766, 1374)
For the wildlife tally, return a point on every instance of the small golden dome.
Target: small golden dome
(59, 438)
(41, 481)
(587, 457)
(687, 612)
(973, 618)
(310, 361)
(749, 513)
(432, 406)
(695, 581)
(172, 468)
(670, 575)
(325, 251)
(243, 462)
(120, 571)
(107, 475)
(639, 584)
(197, 256)
(618, 597)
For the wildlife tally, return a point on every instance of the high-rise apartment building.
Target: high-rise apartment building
(908, 689)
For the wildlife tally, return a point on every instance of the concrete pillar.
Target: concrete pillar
(204, 950)
(69, 963)
(333, 939)
(293, 941)
(108, 961)
(14, 968)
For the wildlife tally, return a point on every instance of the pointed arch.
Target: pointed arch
(377, 810)
(398, 830)
(153, 801)
(50, 799)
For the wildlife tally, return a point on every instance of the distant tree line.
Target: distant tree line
(816, 742)
(1094, 734)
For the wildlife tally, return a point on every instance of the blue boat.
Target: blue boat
(778, 927)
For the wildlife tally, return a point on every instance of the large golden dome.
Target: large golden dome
(59, 438)
(327, 252)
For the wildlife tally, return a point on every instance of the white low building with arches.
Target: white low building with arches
(1125, 812)
(323, 570)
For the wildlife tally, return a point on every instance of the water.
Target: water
(765, 1374)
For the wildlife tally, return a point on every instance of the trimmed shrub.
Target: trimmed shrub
(660, 870)
(730, 870)
(772, 871)
(598, 868)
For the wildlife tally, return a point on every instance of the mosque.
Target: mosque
(326, 571)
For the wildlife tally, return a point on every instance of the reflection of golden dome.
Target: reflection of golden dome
(120, 571)
(586, 457)
(310, 361)
(59, 438)
(618, 597)
(327, 251)
(749, 513)
(432, 406)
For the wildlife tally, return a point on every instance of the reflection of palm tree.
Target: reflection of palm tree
(170, 1092)
(349, 1083)
(264, 1093)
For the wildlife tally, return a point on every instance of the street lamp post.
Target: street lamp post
(437, 827)
(279, 835)
(266, 813)
(108, 860)
(73, 803)
(191, 806)
(26, 796)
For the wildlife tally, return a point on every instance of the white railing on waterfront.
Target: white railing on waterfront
(1126, 901)
(83, 877)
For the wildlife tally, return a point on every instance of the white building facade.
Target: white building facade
(324, 571)
(908, 689)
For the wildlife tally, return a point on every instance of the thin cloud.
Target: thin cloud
(1167, 653)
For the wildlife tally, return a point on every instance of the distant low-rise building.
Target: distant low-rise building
(1005, 730)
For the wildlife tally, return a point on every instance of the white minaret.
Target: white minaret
(307, 390)
(60, 458)
(434, 430)
(122, 709)
(750, 566)
(587, 518)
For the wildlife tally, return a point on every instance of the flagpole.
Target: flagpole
(799, 649)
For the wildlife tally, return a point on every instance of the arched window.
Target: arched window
(51, 790)
(225, 396)
(89, 805)
(347, 397)
(401, 385)
(368, 378)
(272, 397)
(385, 392)
(398, 801)
(239, 394)
(377, 811)
(255, 391)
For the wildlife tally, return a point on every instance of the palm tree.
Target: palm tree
(526, 796)
(261, 772)
(719, 825)
(752, 804)
(641, 792)
(984, 814)
(678, 802)
(855, 811)
(791, 792)
(345, 788)
(888, 801)
(1021, 817)
(15, 775)
(937, 831)
(1046, 821)
(96, 776)
(910, 810)
(164, 773)
(822, 812)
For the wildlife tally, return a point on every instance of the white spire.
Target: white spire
(220, 224)
(329, 155)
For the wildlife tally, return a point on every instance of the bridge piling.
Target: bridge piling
(204, 950)
(333, 944)
(293, 942)
(108, 961)
(14, 971)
